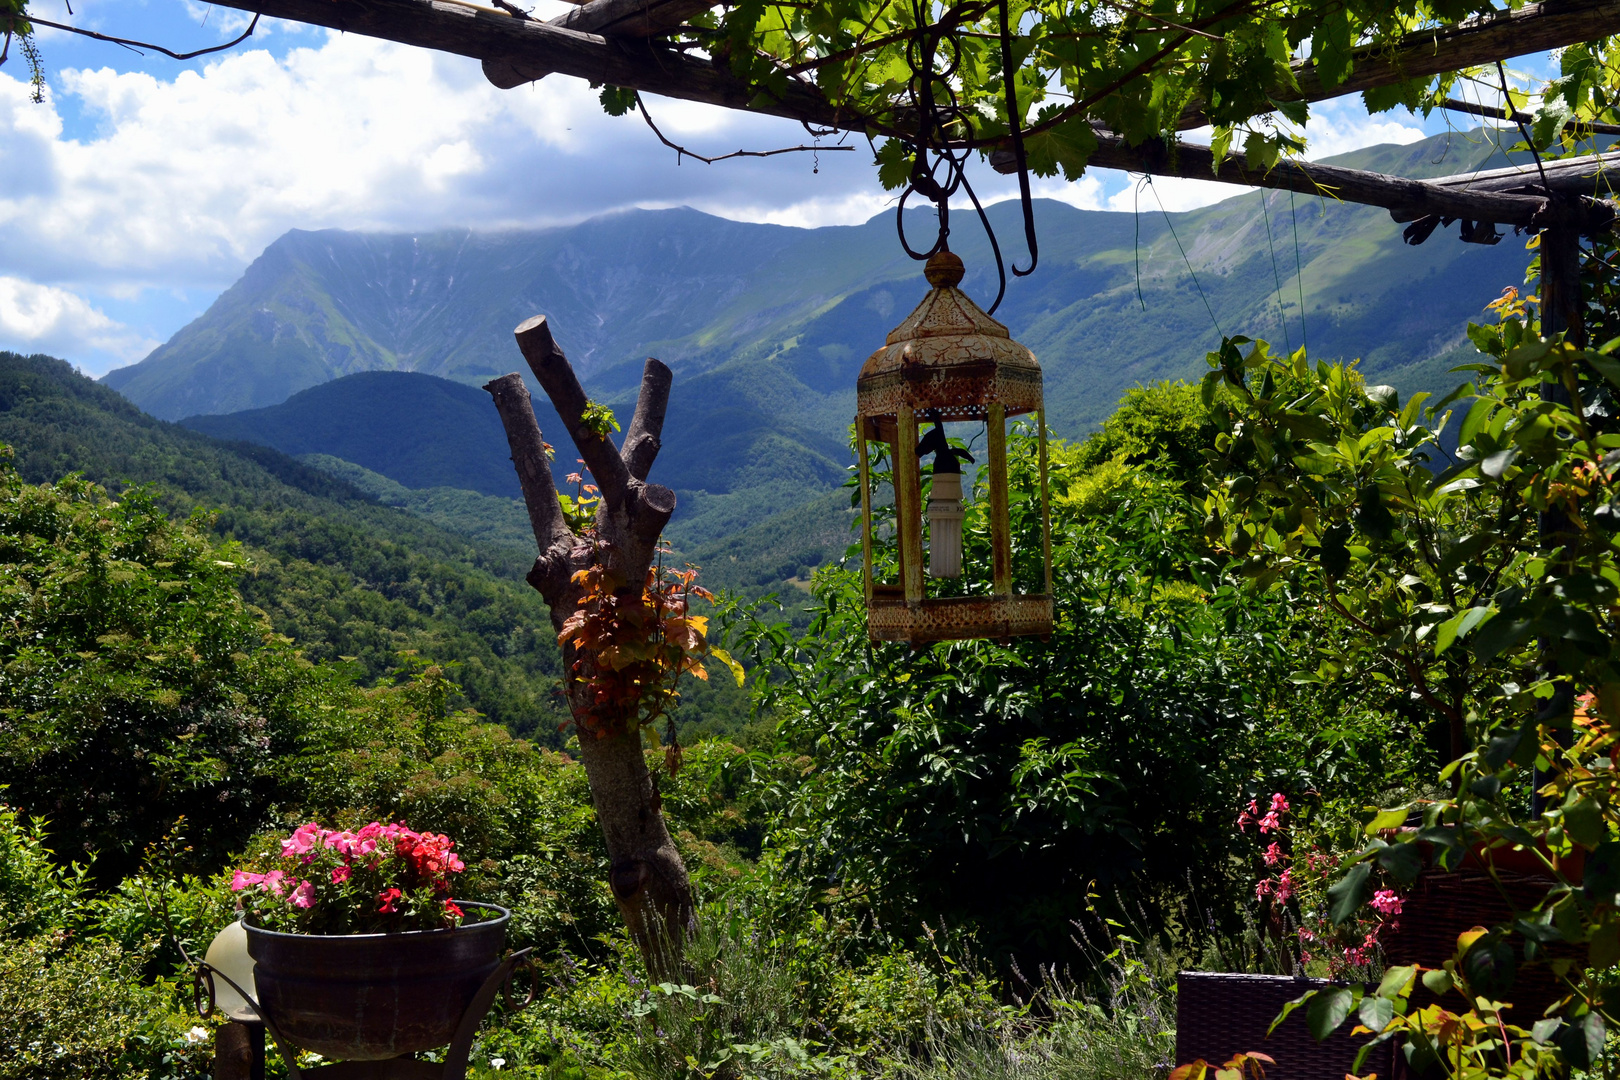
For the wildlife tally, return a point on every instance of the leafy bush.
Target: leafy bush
(138, 687)
(37, 895)
(986, 786)
(74, 1003)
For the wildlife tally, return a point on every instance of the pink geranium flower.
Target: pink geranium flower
(1270, 823)
(1285, 886)
(1279, 805)
(1273, 854)
(1385, 902)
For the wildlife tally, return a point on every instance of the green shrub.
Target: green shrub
(37, 896)
(138, 687)
(75, 1010)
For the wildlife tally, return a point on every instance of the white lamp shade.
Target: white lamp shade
(228, 955)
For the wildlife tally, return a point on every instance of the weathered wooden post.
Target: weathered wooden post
(647, 875)
(1560, 313)
(239, 1051)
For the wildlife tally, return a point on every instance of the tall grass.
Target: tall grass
(745, 1008)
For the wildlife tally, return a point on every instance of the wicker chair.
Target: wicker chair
(1220, 1014)
(1442, 905)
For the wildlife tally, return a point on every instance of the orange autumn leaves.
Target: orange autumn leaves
(631, 648)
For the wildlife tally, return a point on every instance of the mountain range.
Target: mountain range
(766, 326)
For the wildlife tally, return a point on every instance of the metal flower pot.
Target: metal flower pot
(368, 997)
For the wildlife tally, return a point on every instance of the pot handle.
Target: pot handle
(522, 962)
(203, 975)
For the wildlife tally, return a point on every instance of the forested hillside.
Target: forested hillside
(420, 431)
(339, 573)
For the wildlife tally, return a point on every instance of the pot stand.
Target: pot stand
(454, 1066)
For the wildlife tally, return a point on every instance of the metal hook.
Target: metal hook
(1009, 81)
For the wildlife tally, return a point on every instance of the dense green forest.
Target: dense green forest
(342, 575)
(905, 831)
(1307, 644)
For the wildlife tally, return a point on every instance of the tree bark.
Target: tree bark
(647, 876)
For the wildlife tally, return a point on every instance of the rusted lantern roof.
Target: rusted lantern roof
(950, 356)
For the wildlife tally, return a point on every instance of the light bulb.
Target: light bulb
(945, 526)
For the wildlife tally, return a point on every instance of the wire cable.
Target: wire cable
(1191, 273)
(1276, 275)
(1299, 276)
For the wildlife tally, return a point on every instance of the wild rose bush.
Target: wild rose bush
(381, 879)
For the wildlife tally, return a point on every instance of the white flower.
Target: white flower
(196, 1035)
(496, 1063)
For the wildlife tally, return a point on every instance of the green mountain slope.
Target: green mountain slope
(418, 430)
(766, 327)
(730, 458)
(337, 572)
(673, 283)
(799, 308)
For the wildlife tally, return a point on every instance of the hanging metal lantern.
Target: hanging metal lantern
(948, 362)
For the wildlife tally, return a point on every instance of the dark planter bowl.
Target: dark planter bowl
(367, 997)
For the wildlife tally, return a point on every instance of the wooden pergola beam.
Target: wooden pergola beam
(505, 41)
(516, 49)
(1593, 174)
(1498, 196)
(1426, 53)
(610, 18)
(630, 18)
(605, 41)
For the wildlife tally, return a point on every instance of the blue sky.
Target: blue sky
(144, 186)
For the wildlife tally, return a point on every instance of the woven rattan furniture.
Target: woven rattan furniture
(1221, 1014)
(1441, 905)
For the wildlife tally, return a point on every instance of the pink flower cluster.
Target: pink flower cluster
(1271, 821)
(388, 869)
(431, 853)
(1385, 902)
(1362, 955)
(1345, 950)
(274, 883)
(1282, 889)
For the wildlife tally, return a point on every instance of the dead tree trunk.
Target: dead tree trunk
(647, 875)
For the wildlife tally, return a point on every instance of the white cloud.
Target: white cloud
(46, 319)
(1337, 129)
(184, 181)
(1172, 193)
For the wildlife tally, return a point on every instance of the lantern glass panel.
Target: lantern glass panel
(954, 513)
